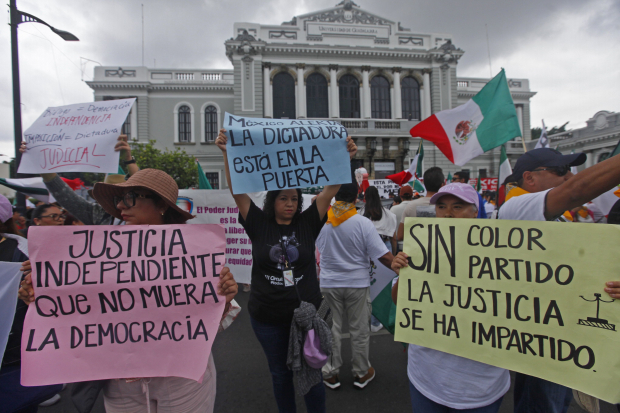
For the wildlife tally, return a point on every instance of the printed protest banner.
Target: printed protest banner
(122, 302)
(269, 154)
(218, 207)
(75, 138)
(486, 184)
(10, 275)
(523, 295)
(385, 187)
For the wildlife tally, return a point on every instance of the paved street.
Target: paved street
(244, 383)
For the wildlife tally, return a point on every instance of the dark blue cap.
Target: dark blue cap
(543, 157)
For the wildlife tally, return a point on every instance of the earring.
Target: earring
(162, 213)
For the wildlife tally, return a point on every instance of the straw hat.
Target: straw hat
(154, 180)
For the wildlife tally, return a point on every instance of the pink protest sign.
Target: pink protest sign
(122, 302)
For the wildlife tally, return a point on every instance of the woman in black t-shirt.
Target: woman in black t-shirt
(282, 226)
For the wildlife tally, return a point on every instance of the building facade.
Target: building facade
(347, 64)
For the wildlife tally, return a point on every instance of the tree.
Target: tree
(536, 132)
(178, 164)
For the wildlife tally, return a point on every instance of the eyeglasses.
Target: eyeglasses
(557, 170)
(55, 217)
(129, 199)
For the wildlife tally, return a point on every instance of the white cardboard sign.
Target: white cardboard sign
(75, 138)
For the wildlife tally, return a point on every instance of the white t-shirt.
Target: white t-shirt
(489, 208)
(454, 381)
(345, 253)
(412, 208)
(399, 209)
(526, 207)
(386, 225)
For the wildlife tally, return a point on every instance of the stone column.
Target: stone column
(334, 104)
(301, 91)
(268, 102)
(590, 159)
(426, 102)
(366, 111)
(520, 118)
(397, 109)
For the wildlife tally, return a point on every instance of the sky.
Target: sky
(568, 49)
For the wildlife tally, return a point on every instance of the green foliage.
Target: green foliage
(536, 132)
(178, 164)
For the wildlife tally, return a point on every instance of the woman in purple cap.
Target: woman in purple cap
(441, 382)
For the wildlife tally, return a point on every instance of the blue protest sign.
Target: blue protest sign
(271, 154)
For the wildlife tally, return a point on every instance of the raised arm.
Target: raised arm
(324, 199)
(583, 187)
(243, 201)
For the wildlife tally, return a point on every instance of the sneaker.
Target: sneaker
(374, 329)
(361, 382)
(51, 401)
(333, 382)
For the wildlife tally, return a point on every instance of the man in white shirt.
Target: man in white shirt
(433, 181)
(546, 190)
(346, 243)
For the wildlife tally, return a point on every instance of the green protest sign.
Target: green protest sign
(522, 295)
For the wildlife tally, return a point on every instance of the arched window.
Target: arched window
(410, 93)
(283, 96)
(185, 124)
(316, 96)
(210, 123)
(349, 88)
(380, 98)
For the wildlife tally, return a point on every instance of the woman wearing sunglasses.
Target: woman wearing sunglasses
(149, 198)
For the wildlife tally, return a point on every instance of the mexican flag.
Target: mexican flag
(383, 307)
(449, 178)
(31, 187)
(415, 169)
(487, 121)
(203, 182)
(505, 170)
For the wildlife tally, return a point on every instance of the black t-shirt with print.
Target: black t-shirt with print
(270, 300)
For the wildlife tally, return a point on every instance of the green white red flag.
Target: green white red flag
(505, 170)
(415, 169)
(486, 121)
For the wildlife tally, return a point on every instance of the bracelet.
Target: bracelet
(133, 160)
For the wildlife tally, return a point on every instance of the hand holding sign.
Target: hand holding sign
(75, 138)
(270, 154)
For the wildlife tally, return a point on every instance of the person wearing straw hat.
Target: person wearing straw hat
(149, 197)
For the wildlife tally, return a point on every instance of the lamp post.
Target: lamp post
(17, 17)
(371, 148)
(404, 150)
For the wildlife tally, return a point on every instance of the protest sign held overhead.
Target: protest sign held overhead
(75, 138)
(525, 296)
(121, 302)
(271, 154)
(385, 187)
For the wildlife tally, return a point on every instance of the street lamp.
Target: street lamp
(18, 17)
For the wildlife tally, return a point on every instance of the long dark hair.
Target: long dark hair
(373, 209)
(270, 202)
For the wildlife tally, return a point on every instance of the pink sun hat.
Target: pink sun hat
(462, 191)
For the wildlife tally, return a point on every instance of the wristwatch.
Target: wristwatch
(133, 160)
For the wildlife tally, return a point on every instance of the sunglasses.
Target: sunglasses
(55, 217)
(129, 199)
(557, 170)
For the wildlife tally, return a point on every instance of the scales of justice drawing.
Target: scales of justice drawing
(596, 321)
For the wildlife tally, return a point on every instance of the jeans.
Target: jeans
(274, 340)
(422, 404)
(21, 399)
(534, 395)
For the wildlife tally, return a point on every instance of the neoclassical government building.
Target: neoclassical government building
(375, 76)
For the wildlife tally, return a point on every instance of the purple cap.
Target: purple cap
(6, 209)
(465, 192)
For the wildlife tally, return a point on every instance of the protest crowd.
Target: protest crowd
(310, 280)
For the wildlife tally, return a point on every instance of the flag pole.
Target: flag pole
(524, 147)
